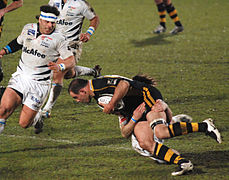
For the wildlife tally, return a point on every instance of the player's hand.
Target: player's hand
(107, 108)
(85, 37)
(160, 106)
(54, 66)
(138, 112)
(2, 53)
(2, 12)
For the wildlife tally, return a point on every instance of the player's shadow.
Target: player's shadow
(155, 40)
(208, 159)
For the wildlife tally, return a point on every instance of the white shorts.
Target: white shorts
(34, 93)
(143, 152)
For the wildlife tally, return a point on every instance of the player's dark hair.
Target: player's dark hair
(145, 78)
(76, 85)
(50, 9)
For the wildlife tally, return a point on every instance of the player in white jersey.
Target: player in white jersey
(41, 46)
(70, 21)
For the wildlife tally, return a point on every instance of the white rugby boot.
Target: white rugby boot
(182, 118)
(183, 168)
(177, 30)
(160, 29)
(212, 131)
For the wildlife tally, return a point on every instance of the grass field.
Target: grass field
(80, 142)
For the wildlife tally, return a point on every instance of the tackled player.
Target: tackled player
(145, 116)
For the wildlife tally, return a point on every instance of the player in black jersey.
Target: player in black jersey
(3, 10)
(145, 116)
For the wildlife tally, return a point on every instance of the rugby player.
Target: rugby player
(70, 21)
(41, 46)
(3, 10)
(145, 116)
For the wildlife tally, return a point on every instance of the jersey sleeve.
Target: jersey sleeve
(22, 36)
(87, 10)
(63, 48)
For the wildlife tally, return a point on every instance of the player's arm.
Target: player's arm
(12, 47)
(62, 65)
(94, 22)
(14, 5)
(127, 129)
(120, 91)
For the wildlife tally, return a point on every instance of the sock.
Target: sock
(53, 95)
(173, 14)
(162, 13)
(163, 152)
(84, 71)
(181, 128)
(2, 125)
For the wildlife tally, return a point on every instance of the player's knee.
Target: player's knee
(5, 111)
(24, 124)
(158, 126)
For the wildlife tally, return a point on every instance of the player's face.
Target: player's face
(82, 96)
(46, 27)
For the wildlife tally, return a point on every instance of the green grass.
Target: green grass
(80, 142)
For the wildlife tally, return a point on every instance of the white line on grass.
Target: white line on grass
(59, 141)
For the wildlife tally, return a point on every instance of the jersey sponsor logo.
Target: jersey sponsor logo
(63, 22)
(57, 4)
(33, 52)
(31, 32)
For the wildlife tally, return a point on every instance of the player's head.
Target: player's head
(79, 90)
(48, 18)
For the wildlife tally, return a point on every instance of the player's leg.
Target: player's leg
(182, 128)
(162, 13)
(76, 48)
(174, 16)
(9, 102)
(145, 137)
(54, 93)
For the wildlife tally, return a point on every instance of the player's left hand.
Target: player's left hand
(54, 66)
(85, 37)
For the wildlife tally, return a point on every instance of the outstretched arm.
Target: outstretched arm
(126, 130)
(65, 64)
(14, 5)
(12, 47)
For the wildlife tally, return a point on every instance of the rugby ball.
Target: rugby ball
(106, 98)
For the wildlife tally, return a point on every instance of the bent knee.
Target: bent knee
(24, 124)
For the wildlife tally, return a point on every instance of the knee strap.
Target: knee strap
(156, 122)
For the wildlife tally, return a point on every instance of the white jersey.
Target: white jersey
(38, 50)
(71, 17)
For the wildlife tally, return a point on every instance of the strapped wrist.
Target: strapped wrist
(133, 120)
(91, 30)
(62, 66)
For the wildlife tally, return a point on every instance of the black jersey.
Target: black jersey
(140, 92)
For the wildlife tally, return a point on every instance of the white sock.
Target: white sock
(53, 95)
(84, 71)
(37, 117)
(2, 125)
